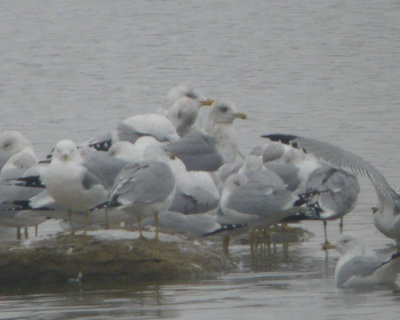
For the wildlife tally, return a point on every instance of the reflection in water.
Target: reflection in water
(320, 69)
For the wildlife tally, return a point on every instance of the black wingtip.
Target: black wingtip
(226, 227)
(395, 255)
(279, 137)
(107, 204)
(20, 205)
(102, 145)
(30, 181)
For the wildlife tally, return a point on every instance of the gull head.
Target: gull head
(183, 90)
(12, 142)
(224, 112)
(347, 243)
(273, 151)
(235, 181)
(183, 114)
(66, 150)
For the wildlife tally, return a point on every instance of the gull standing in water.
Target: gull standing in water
(387, 215)
(355, 269)
(337, 189)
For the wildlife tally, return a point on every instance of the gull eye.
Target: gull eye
(191, 95)
(223, 108)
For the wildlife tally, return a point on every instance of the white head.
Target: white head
(224, 111)
(183, 90)
(183, 114)
(66, 150)
(12, 142)
(348, 243)
(273, 151)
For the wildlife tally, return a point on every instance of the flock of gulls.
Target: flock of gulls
(180, 168)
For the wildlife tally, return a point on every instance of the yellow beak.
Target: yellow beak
(240, 115)
(207, 102)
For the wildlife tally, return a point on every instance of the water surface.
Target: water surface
(327, 70)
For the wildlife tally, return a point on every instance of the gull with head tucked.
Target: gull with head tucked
(356, 269)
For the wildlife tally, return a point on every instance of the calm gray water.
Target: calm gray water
(324, 69)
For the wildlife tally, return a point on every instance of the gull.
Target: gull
(9, 217)
(16, 155)
(338, 192)
(132, 128)
(182, 107)
(181, 91)
(355, 269)
(142, 189)
(194, 224)
(76, 182)
(387, 215)
(258, 198)
(337, 189)
(175, 118)
(208, 150)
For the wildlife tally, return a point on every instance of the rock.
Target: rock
(126, 260)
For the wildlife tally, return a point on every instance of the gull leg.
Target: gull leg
(139, 220)
(341, 225)
(327, 245)
(18, 233)
(86, 222)
(70, 220)
(225, 244)
(107, 218)
(26, 233)
(253, 239)
(36, 230)
(156, 223)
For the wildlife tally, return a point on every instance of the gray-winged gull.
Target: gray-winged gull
(387, 217)
(183, 91)
(337, 194)
(175, 118)
(16, 155)
(9, 217)
(142, 189)
(208, 150)
(355, 269)
(303, 173)
(75, 182)
(257, 198)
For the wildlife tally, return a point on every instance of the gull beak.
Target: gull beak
(207, 102)
(171, 156)
(45, 161)
(374, 209)
(240, 115)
